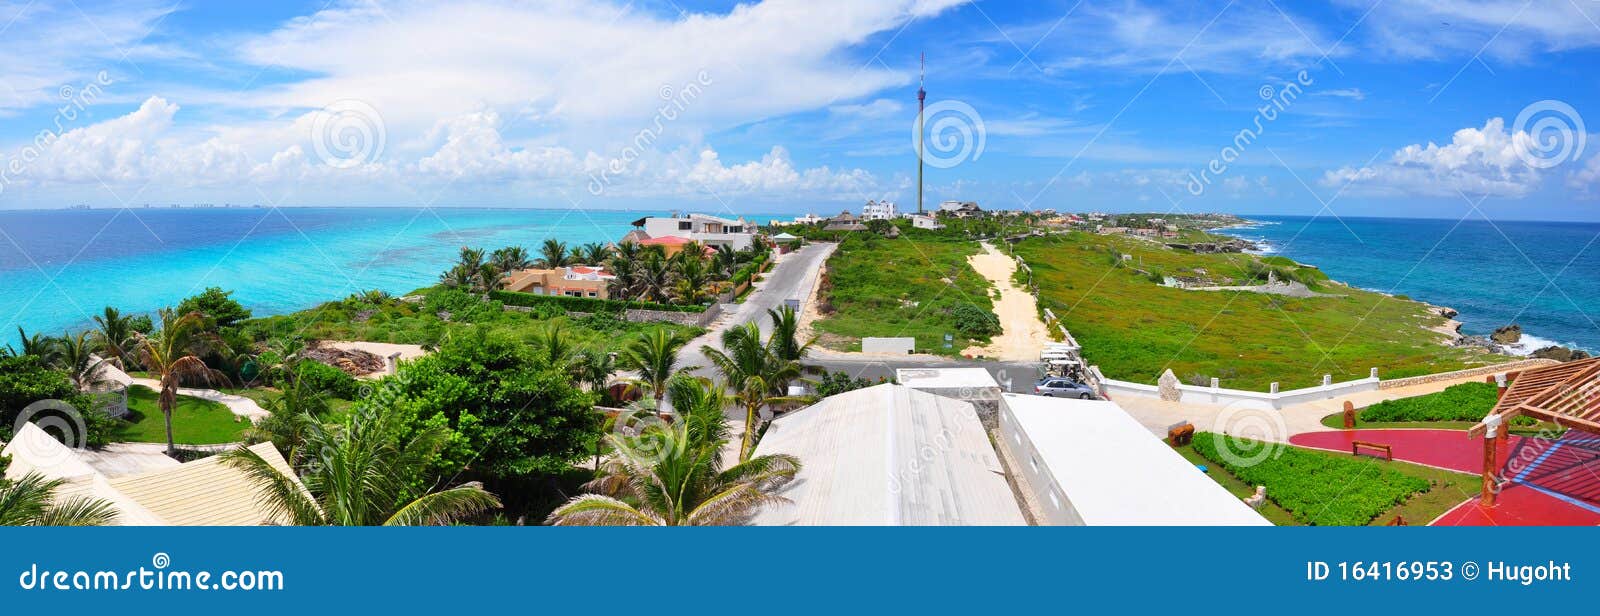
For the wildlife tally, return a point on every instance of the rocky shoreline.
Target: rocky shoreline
(1500, 341)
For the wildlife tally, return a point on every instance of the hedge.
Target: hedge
(584, 304)
(749, 270)
(1316, 488)
(1461, 402)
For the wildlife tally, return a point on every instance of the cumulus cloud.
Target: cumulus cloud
(1488, 160)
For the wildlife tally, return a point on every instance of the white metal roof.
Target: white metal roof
(1115, 472)
(944, 378)
(889, 455)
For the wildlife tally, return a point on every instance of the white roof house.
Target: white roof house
(888, 455)
(203, 492)
(704, 228)
(1088, 462)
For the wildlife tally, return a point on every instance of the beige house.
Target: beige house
(573, 281)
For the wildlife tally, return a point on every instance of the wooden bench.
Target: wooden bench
(1180, 433)
(1357, 446)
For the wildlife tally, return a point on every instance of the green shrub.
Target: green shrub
(1317, 488)
(327, 378)
(1462, 402)
(974, 322)
(584, 304)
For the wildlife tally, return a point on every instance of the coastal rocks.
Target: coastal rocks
(1446, 312)
(1509, 334)
(1559, 353)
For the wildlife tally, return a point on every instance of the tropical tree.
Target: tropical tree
(744, 355)
(668, 476)
(653, 279)
(510, 259)
(593, 367)
(360, 473)
(75, 355)
(785, 337)
(592, 253)
(115, 336)
(37, 345)
(300, 403)
(724, 260)
(459, 276)
(699, 403)
(654, 355)
(624, 271)
(32, 501)
(553, 345)
(691, 282)
(752, 397)
(173, 354)
(554, 254)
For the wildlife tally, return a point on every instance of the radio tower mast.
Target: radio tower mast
(922, 95)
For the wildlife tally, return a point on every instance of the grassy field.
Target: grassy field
(901, 287)
(1329, 488)
(1134, 328)
(194, 421)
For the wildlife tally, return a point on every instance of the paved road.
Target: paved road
(792, 277)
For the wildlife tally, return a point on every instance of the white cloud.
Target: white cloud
(1476, 161)
(1354, 94)
(49, 45)
(1512, 30)
(1238, 38)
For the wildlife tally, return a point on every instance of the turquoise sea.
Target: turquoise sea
(58, 268)
(1544, 276)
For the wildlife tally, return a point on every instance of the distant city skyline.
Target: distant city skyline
(1405, 108)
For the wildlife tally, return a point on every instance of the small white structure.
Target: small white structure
(888, 455)
(900, 346)
(1087, 462)
(878, 210)
(925, 222)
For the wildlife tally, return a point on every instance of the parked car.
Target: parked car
(1059, 387)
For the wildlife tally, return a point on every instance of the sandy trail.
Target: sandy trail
(1023, 335)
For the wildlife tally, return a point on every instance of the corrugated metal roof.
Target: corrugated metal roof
(889, 455)
(204, 492)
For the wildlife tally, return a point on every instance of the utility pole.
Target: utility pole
(922, 95)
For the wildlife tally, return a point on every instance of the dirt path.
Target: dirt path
(1023, 335)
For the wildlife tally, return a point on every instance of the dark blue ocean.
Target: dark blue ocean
(1544, 276)
(58, 268)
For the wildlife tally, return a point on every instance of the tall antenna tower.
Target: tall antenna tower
(922, 95)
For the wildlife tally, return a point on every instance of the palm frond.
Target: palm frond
(445, 506)
(597, 510)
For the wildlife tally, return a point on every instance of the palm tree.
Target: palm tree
(691, 281)
(31, 501)
(593, 367)
(653, 277)
(625, 274)
(116, 336)
(38, 345)
(75, 355)
(488, 279)
(752, 396)
(459, 276)
(724, 260)
(553, 344)
(785, 337)
(554, 254)
(670, 477)
(173, 353)
(654, 355)
(359, 473)
(592, 253)
(510, 259)
(700, 402)
(743, 355)
(299, 405)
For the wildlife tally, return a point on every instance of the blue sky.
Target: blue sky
(1378, 108)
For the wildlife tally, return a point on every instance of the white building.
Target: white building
(878, 210)
(706, 229)
(1088, 463)
(888, 455)
(808, 219)
(925, 222)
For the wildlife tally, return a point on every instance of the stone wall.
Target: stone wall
(1524, 364)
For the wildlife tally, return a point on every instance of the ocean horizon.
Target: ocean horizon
(59, 268)
(1539, 275)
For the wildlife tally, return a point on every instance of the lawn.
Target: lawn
(1328, 489)
(194, 421)
(1458, 407)
(1134, 328)
(902, 287)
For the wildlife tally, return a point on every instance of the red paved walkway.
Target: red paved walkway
(1449, 449)
(1552, 482)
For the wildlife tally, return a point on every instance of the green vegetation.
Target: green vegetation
(583, 304)
(194, 421)
(1134, 329)
(31, 501)
(1314, 487)
(1461, 402)
(904, 287)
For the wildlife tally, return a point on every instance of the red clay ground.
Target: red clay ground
(1552, 482)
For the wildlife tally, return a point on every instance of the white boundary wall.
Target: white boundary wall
(1224, 396)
